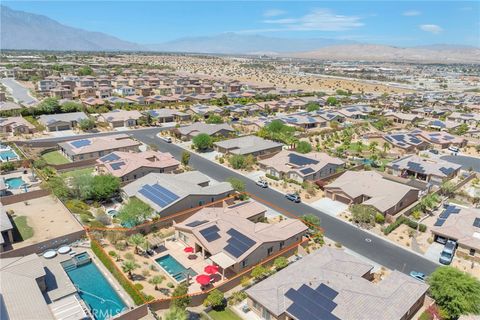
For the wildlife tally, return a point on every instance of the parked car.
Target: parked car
(448, 252)
(434, 151)
(418, 275)
(262, 183)
(293, 197)
(166, 139)
(454, 149)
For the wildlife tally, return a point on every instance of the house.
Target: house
(124, 91)
(16, 125)
(301, 167)
(103, 92)
(168, 115)
(332, 284)
(434, 171)
(235, 238)
(248, 145)
(356, 112)
(203, 110)
(93, 102)
(441, 139)
(172, 193)
(190, 131)
(136, 99)
(304, 121)
(61, 93)
(402, 118)
(120, 118)
(6, 227)
(461, 225)
(93, 148)
(61, 121)
(407, 142)
(85, 92)
(371, 188)
(472, 119)
(118, 100)
(132, 165)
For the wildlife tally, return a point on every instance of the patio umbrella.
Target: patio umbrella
(188, 249)
(211, 269)
(203, 279)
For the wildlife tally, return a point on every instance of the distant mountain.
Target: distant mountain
(369, 52)
(22, 30)
(234, 43)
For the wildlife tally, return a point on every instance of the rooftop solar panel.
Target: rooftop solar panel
(211, 233)
(307, 170)
(439, 222)
(117, 165)
(238, 243)
(158, 194)
(109, 157)
(299, 160)
(326, 291)
(81, 143)
(310, 304)
(476, 222)
(196, 223)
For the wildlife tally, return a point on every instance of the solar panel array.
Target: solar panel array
(109, 157)
(307, 170)
(117, 165)
(299, 160)
(238, 243)
(196, 223)
(476, 222)
(81, 143)
(310, 304)
(211, 233)
(158, 195)
(445, 214)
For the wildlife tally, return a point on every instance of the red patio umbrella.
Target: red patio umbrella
(188, 249)
(203, 279)
(211, 269)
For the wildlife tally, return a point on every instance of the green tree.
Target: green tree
(185, 158)
(214, 119)
(373, 146)
(461, 129)
(259, 272)
(332, 101)
(134, 212)
(129, 266)
(312, 221)
(280, 263)
(386, 146)
(447, 188)
(176, 314)
(202, 142)
(70, 106)
(237, 184)
(180, 299)
(303, 147)
(137, 240)
(48, 105)
(104, 187)
(363, 214)
(237, 161)
(216, 300)
(156, 280)
(85, 71)
(312, 106)
(456, 292)
(86, 124)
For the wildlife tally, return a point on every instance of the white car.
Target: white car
(454, 149)
(262, 183)
(166, 139)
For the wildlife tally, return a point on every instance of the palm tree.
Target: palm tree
(156, 280)
(128, 266)
(137, 240)
(386, 147)
(373, 146)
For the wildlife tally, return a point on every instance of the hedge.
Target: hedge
(127, 285)
(404, 220)
(271, 177)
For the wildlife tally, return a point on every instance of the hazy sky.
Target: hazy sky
(403, 23)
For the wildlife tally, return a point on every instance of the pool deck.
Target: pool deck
(58, 282)
(27, 178)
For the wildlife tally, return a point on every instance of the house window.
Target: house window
(269, 251)
(472, 252)
(134, 176)
(244, 263)
(256, 305)
(282, 243)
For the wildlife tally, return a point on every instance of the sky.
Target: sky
(398, 23)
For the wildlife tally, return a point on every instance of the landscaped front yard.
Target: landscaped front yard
(54, 157)
(226, 314)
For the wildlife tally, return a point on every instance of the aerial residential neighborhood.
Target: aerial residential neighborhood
(239, 160)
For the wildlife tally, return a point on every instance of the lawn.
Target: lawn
(78, 172)
(226, 314)
(23, 228)
(54, 157)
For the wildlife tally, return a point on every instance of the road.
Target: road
(19, 93)
(364, 243)
(465, 161)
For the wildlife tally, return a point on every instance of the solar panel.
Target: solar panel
(117, 165)
(476, 222)
(158, 195)
(80, 143)
(110, 157)
(310, 304)
(307, 170)
(439, 222)
(327, 291)
(299, 160)
(211, 233)
(238, 243)
(196, 223)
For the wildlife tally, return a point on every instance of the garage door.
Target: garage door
(60, 128)
(342, 199)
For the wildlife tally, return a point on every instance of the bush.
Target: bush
(280, 263)
(202, 142)
(7, 166)
(394, 225)
(259, 272)
(245, 281)
(422, 227)
(237, 161)
(138, 286)
(112, 253)
(379, 218)
(215, 299)
(136, 296)
(303, 147)
(271, 177)
(237, 297)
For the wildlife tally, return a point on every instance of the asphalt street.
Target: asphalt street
(364, 243)
(19, 93)
(465, 161)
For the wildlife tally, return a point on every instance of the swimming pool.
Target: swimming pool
(8, 155)
(94, 289)
(174, 268)
(14, 183)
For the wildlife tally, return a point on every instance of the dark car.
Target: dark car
(448, 252)
(293, 197)
(418, 275)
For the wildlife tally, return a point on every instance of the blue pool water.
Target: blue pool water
(96, 291)
(174, 268)
(8, 155)
(14, 183)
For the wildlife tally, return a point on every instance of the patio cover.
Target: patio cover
(156, 241)
(223, 260)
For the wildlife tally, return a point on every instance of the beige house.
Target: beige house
(93, 148)
(61, 121)
(248, 145)
(331, 284)
(130, 166)
(190, 131)
(371, 188)
(402, 118)
(234, 237)
(16, 125)
(120, 118)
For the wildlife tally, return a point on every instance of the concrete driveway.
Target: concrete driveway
(329, 206)
(433, 251)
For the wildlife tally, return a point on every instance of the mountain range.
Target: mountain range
(23, 30)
